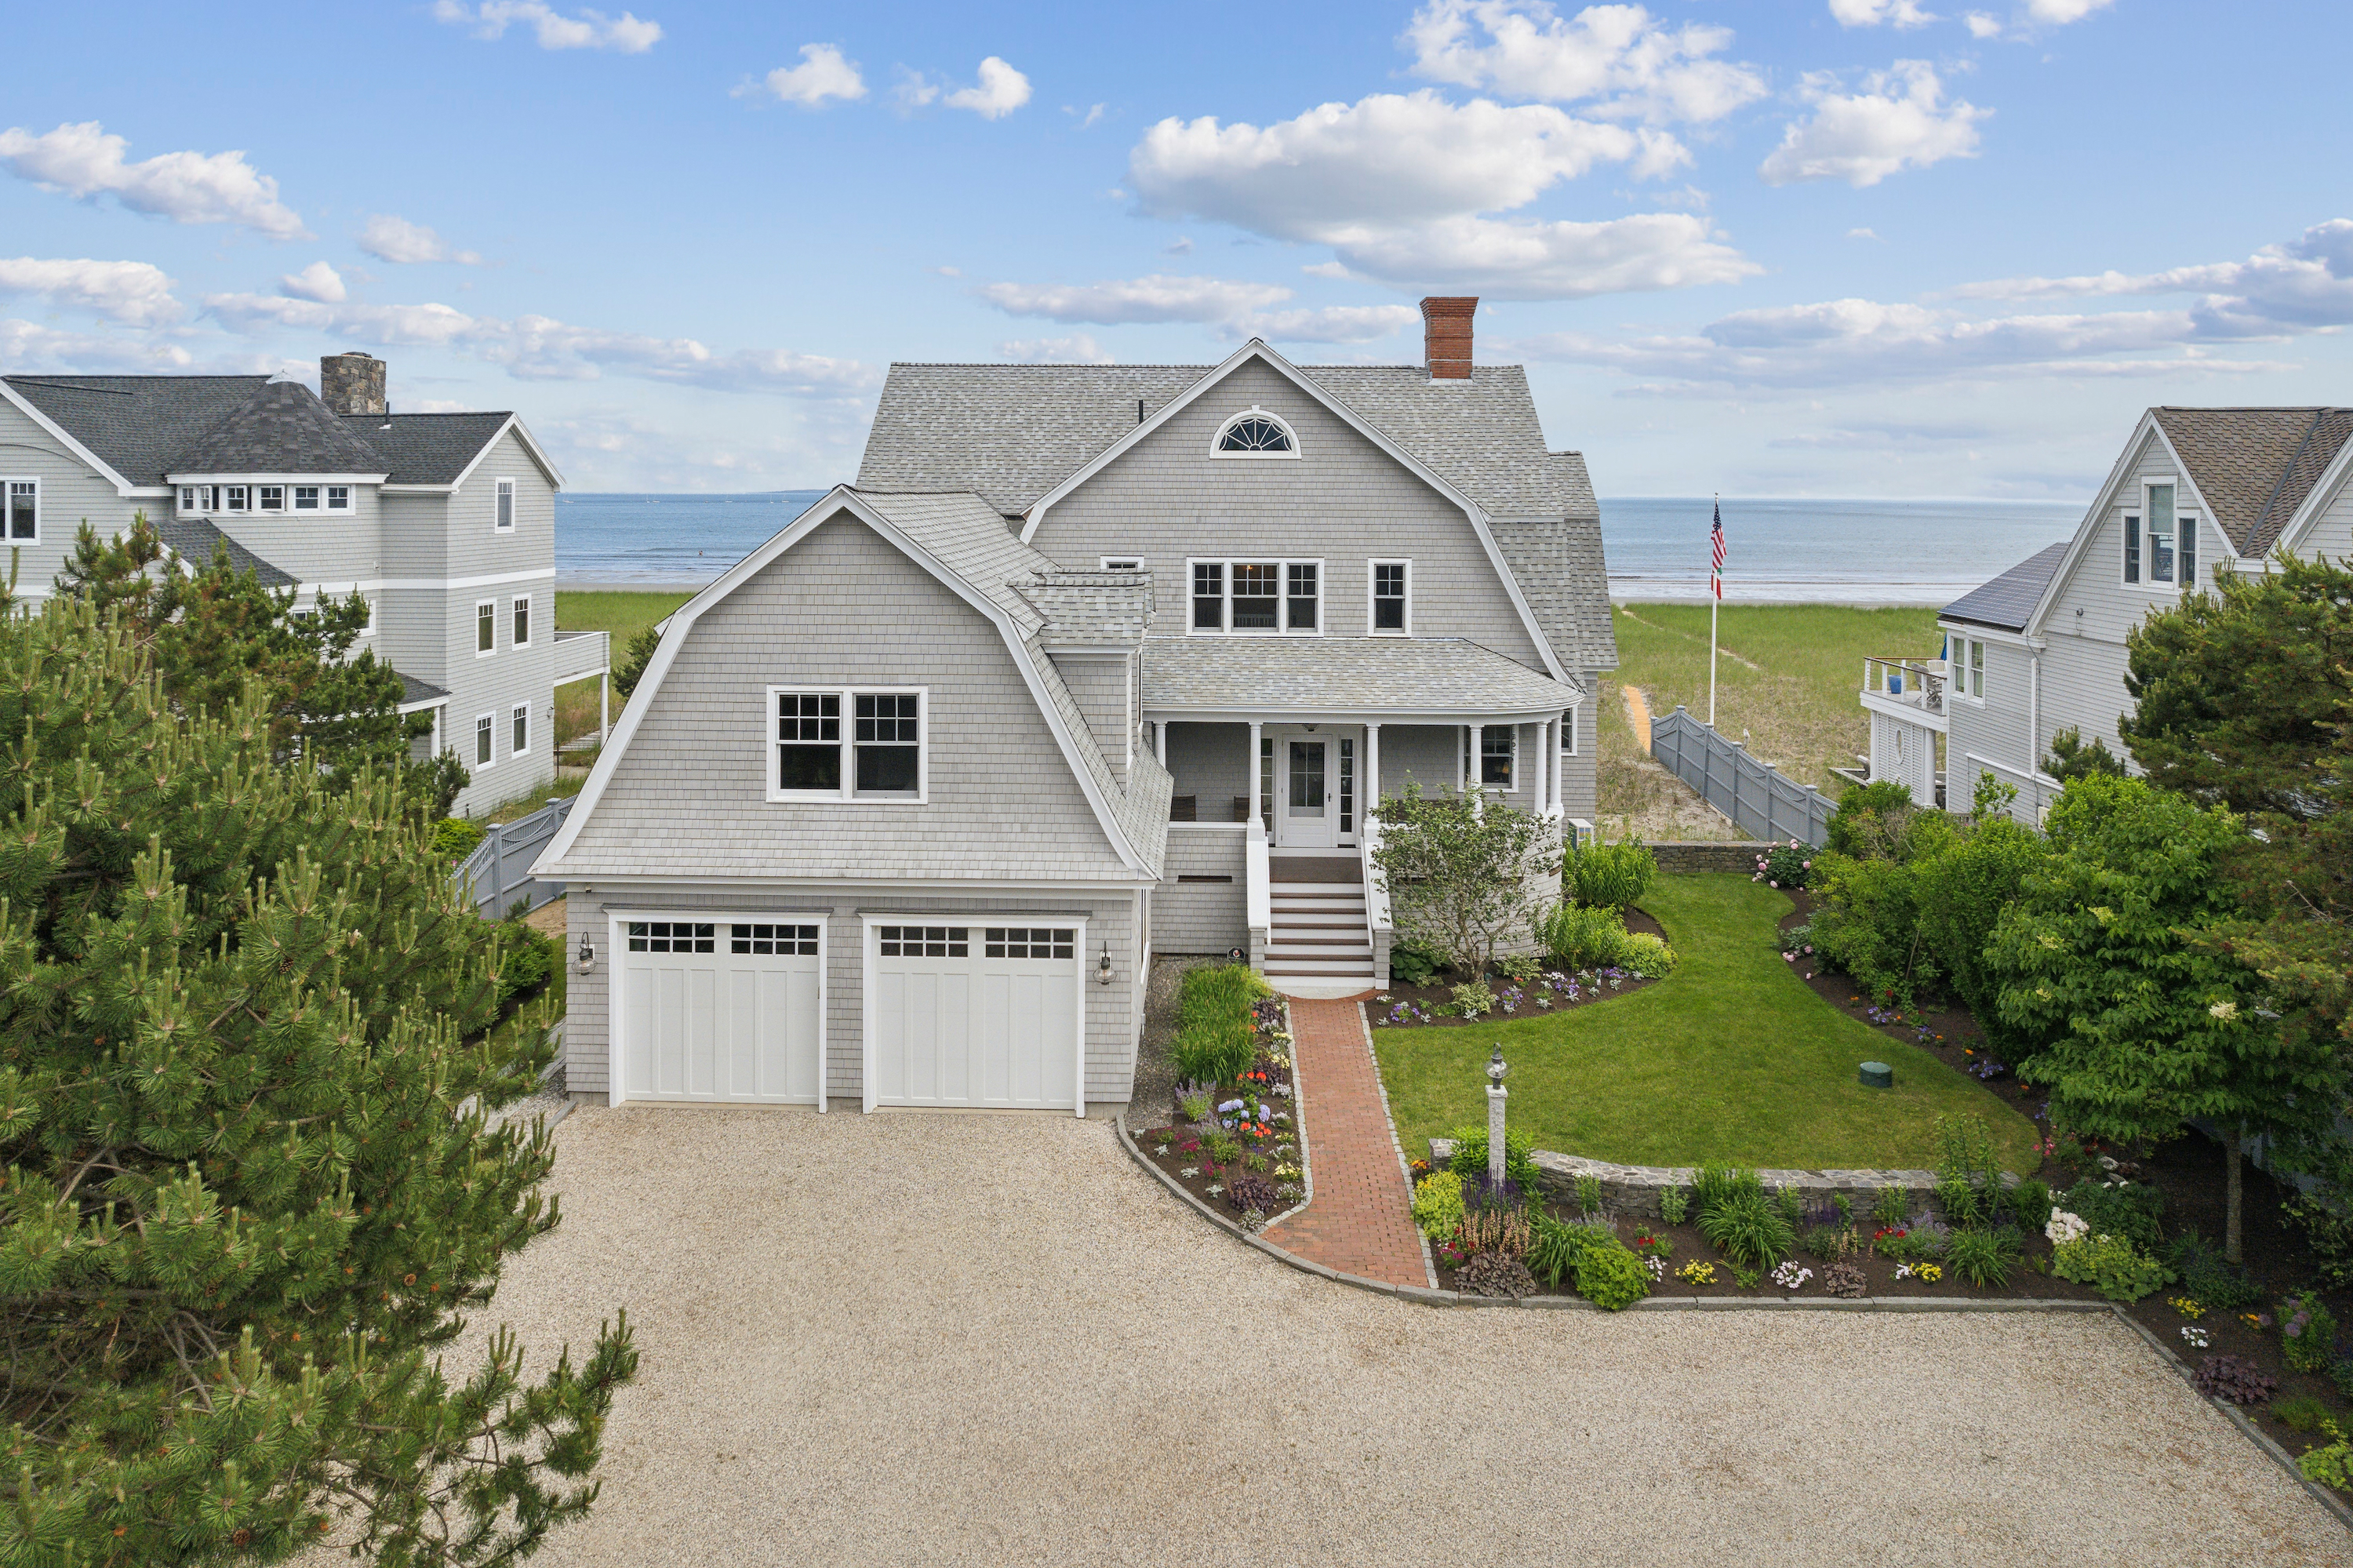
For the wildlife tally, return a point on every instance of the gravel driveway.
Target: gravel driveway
(990, 1339)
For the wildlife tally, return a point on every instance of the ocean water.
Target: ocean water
(1776, 550)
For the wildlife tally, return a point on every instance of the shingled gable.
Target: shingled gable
(280, 428)
(960, 541)
(1257, 351)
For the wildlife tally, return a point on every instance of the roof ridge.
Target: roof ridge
(2262, 513)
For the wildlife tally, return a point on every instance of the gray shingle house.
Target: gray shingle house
(1092, 662)
(445, 521)
(2040, 648)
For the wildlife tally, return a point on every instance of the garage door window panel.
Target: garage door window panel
(672, 936)
(1029, 942)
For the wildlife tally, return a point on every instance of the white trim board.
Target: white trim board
(1257, 350)
(840, 499)
(57, 432)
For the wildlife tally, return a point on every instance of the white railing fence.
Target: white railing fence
(498, 873)
(1758, 799)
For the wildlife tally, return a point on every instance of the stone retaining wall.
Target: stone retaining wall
(1739, 855)
(1632, 1190)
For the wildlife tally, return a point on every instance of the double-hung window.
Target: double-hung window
(2161, 540)
(503, 499)
(306, 498)
(484, 728)
(1968, 668)
(519, 742)
(191, 498)
(522, 620)
(1391, 607)
(1258, 598)
(269, 498)
(339, 498)
(848, 744)
(1498, 749)
(486, 627)
(235, 497)
(23, 501)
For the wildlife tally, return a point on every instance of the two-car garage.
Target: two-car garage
(983, 1012)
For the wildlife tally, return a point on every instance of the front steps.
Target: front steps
(1318, 934)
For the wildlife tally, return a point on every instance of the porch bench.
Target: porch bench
(1184, 808)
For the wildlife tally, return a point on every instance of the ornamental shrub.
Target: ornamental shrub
(1647, 955)
(1983, 1258)
(1748, 1229)
(454, 838)
(1475, 1000)
(1611, 1277)
(1217, 1031)
(2110, 1265)
(1869, 818)
(1716, 1184)
(2331, 1465)
(1437, 1204)
(1412, 964)
(1785, 866)
(2308, 1336)
(1609, 876)
(1471, 1157)
(1582, 936)
(2210, 1278)
(2127, 1209)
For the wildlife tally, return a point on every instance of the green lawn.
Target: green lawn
(622, 614)
(1731, 1057)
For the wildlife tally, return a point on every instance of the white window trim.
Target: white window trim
(2134, 515)
(525, 600)
(1371, 600)
(281, 509)
(1477, 758)
(1283, 583)
(848, 793)
(1568, 721)
(480, 720)
(493, 606)
(1254, 411)
(327, 501)
(1956, 683)
(245, 489)
(504, 488)
(7, 498)
(520, 710)
(1119, 563)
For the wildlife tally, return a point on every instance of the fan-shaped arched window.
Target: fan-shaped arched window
(1256, 433)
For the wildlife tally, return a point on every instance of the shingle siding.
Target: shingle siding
(843, 607)
(1202, 917)
(70, 492)
(1103, 687)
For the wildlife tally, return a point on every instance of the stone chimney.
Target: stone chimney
(1446, 337)
(352, 382)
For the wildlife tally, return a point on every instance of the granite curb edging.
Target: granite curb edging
(1633, 1191)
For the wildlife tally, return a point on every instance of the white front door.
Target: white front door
(720, 1010)
(973, 1011)
(1306, 791)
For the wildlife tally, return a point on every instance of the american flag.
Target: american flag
(1716, 552)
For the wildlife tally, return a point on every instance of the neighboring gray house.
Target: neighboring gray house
(2041, 647)
(445, 521)
(1094, 662)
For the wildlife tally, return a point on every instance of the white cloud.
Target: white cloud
(1862, 234)
(396, 239)
(1087, 120)
(1899, 121)
(187, 187)
(1982, 26)
(624, 34)
(27, 347)
(132, 291)
(431, 405)
(539, 348)
(1076, 349)
(1557, 261)
(1871, 13)
(2059, 12)
(1180, 246)
(317, 281)
(1000, 91)
(822, 74)
(2303, 286)
(1618, 58)
(915, 90)
(1333, 324)
(1119, 302)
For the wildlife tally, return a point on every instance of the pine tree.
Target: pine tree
(250, 1041)
(2070, 758)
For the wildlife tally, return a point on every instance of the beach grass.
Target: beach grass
(624, 613)
(1787, 680)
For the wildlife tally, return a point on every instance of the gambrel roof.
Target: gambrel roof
(1012, 433)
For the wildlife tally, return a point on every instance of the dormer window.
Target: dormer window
(1255, 433)
(306, 498)
(339, 498)
(272, 497)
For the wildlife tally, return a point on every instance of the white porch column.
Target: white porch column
(1372, 767)
(1553, 735)
(1255, 799)
(1160, 740)
(1477, 765)
(437, 731)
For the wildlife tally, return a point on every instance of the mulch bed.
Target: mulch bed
(1429, 1006)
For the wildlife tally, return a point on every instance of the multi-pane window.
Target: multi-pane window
(1257, 595)
(2160, 533)
(673, 935)
(522, 620)
(924, 941)
(774, 940)
(1968, 668)
(890, 744)
(339, 498)
(1348, 786)
(808, 740)
(306, 498)
(1388, 596)
(270, 497)
(1256, 433)
(189, 495)
(2160, 542)
(234, 498)
(1307, 778)
(504, 493)
(24, 509)
(1498, 744)
(1027, 942)
(484, 727)
(486, 627)
(520, 742)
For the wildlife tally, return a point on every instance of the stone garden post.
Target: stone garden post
(1496, 1096)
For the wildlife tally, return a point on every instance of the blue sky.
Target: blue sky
(1877, 247)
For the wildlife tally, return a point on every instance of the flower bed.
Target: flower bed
(1231, 1138)
(1547, 990)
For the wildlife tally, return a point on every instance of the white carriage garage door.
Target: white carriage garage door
(721, 1011)
(981, 1014)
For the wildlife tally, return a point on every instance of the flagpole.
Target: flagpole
(1715, 601)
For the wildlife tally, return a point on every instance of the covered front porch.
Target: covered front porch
(1279, 751)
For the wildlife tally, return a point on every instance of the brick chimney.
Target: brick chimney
(352, 382)
(1446, 337)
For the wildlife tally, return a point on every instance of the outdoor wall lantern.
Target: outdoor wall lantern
(1102, 965)
(587, 955)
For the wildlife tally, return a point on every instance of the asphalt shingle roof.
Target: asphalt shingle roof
(193, 539)
(137, 425)
(2008, 599)
(280, 428)
(1372, 676)
(2254, 466)
(1012, 432)
(427, 449)
(1090, 607)
(413, 691)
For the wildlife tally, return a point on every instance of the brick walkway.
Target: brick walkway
(1360, 1220)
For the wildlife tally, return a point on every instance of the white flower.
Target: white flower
(1189, 1171)
(2225, 1011)
(1162, 1150)
(2064, 1228)
(2195, 1335)
(1214, 1188)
